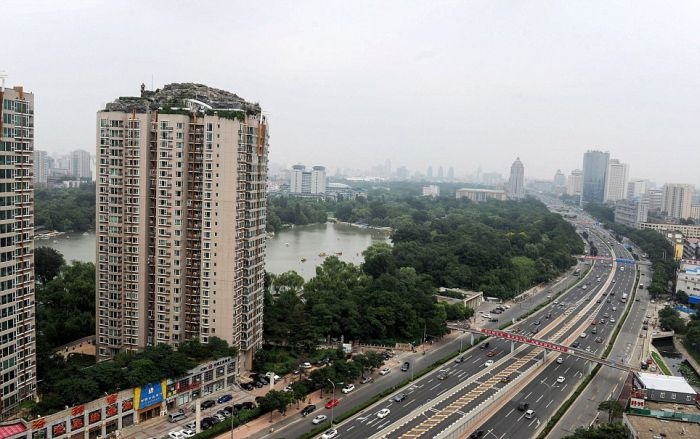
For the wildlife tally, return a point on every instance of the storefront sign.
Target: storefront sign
(149, 394)
(96, 416)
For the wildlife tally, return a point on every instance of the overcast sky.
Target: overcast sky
(351, 84)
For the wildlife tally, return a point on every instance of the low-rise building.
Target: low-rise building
(663, 388)
(470, 299)
(685, 230)
(478, 195)
(688, 279)
(431, 190)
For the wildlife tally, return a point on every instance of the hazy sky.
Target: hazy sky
(353, 83)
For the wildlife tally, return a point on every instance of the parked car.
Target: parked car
(224, 398)
(208, 404)
(330, 434)
(366, 380)
(176, 435)
(248, 405)
(384, 371)
(348, 388)
(308, 409)
(247, 386)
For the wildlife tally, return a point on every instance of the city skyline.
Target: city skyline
(496, 82)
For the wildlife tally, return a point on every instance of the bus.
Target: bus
(623, 299)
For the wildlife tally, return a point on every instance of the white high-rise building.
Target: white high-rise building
(41, 168)
(80, 165)
(17, 324)
(180, 217)
(516, 183)
(574, 184)
(677, 200)
(616, 181)
(307, 183)
(636, 188)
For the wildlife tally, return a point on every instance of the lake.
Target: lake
(285, 251)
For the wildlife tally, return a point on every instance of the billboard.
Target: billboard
(148, 395)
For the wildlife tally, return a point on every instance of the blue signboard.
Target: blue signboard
(151, 393)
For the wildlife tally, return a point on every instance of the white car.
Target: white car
(612, 320)
(329, 434)
(560, 379)
(383, 413)
(176, 435)
(347, 389)
(560, 360)
(188, 433)
(384, 371)
(318, 419)
(273, 376)
(488, 363)
(306, 365)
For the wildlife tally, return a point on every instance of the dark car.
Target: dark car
(484, 345)
(208, 403)
(523, 406)
(406, 365)
(537, 323)
(477, 434)
(238, 407)
(400, 397)
(575, 344)
(206, 423)
(224, 398)
(259, 384)
(247, 386)
(248, 405)
(308, 409)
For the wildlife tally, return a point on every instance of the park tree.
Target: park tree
(47, 263)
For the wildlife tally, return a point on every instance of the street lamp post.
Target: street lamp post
(332, 401)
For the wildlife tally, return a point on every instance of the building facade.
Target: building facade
(479, 195)
(516, 182)
(677, 200)
(308, 183)
(616, 181)
(181, 215)
(637, 188)
(41, 168)
(574, 184)
(432, 190)
(631, 212)
(654, 198)
(80, 165)
(17, 324)
(595, 169)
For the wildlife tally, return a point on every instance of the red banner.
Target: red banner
(77, 410)
(39, 423)
(111, 399)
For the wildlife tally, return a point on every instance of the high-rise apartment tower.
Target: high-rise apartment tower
(616, 181)
(17, 323)
(181, 214)
(677, 200)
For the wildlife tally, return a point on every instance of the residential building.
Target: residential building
(631, 212)
(677, 199)
(516, 182)
(691, 248)
(450, 173)
(181, 215)
(654, 198)
(688, 277)
(695, 211)
(636, 188)
(559, 181)
(616, 181)
(595, 169)
(41, 168)
(431, 190)
(574, 184)
(81, 165)
(308, 183)
(17, 344)
(478, 195)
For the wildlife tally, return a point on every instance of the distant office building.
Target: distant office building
(451, 173)
(595, 169)
(430, 172)
(616, 181)
(636, 188)
(402, 173)
(180, 218)
(307, 183)
(677, 199)
(81, 165)
(432, 190)
(479, 195)
(516, 182)
(441, 173)
(574, 184)
(18, 353)
(41, 168)
(654, 198)
(559, 181)
(631, 212)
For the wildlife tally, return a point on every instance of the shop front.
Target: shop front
(149, 401)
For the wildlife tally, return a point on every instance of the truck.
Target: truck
(623, 299)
